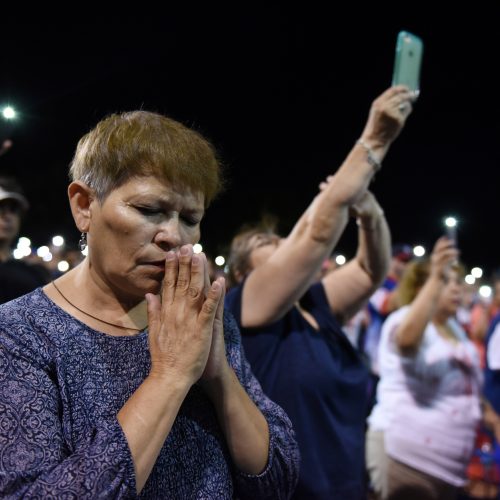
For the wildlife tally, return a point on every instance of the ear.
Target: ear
(238, 276)
(81, 197)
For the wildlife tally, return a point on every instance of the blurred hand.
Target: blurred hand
(181, 326)
(388, 114)
(217, 362)
(443, 256)
(366, 207)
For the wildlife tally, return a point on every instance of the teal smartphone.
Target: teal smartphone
(408, 61)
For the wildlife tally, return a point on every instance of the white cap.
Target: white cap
(11, 195)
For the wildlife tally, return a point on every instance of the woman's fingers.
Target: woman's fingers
(170, 278)
(211, 304)
(154, 311)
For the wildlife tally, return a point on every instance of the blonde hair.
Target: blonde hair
(414, 277)
(140, 143)
(248, 239)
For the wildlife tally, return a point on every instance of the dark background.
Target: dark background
(283, 92)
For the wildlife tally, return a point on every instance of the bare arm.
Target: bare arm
(180, 336)
(409, 332)
(272, 288)
(244, 426)
(349, 287)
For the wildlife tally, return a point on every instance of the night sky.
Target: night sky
(283, 93)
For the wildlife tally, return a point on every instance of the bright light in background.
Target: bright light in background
(58, 241)
(63, 266)
(469, 279)
(85, 251)
(9, 113)
(220, 260)
(418, 251)
(340, 260)
(23, 248)
(23, 242)
(43, 251)
(477, 272)
(18, 253)
(197, 248)
(47, 257)
(450, 221)
(485, 291)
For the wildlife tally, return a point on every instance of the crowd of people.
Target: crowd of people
(134, 373)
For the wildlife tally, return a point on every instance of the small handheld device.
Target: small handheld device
(407, 62)
(450, 225)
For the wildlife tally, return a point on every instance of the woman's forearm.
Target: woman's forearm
(147, 418)
(244, 427)
(410, 331)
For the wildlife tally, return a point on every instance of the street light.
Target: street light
(9, 113)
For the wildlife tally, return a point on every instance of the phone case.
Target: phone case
(407, 62)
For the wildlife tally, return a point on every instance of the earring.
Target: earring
(82, 244)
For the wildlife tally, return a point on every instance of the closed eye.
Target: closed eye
(149, 210)
(190, 221)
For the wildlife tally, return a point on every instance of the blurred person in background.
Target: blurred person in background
(422, 428)
(383, 302)
(16, 276)
(482, 314)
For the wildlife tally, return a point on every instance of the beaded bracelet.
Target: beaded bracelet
(371, 158)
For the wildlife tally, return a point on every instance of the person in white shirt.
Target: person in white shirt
(422, 428)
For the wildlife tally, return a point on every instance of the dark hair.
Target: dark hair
(10, 184)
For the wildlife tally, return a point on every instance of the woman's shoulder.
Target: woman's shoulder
(26, 323)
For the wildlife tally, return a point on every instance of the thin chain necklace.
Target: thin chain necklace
(90, 315)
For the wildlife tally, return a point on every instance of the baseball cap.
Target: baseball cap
(402, 252)
(12, 195)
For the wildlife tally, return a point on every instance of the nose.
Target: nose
(168, 237)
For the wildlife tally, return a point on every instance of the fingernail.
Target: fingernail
(195, 259)
(215, 286)
(184, 250)
(170, 255)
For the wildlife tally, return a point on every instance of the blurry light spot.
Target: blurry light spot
(340, 260)
(419, 251)
(485, 291)
(450, 221)
(47, 257)
(18, 253)
(58, 241)
(63, 266)
(43, 251)
(220, 260)
(197, 248)
(9, 112)
(23, 242)
(469, 279)
(477, 272)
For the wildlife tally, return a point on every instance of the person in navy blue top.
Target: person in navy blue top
(292, 326)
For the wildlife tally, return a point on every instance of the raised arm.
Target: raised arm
(349, 287)
(272, 288)
(409, 333)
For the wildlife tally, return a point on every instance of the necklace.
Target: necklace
(90, 315)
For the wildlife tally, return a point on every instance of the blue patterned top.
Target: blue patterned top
(61, 387)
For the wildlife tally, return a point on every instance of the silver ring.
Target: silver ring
(402, 107)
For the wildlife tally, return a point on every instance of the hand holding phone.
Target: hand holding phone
(407, 62)
(450, 225)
